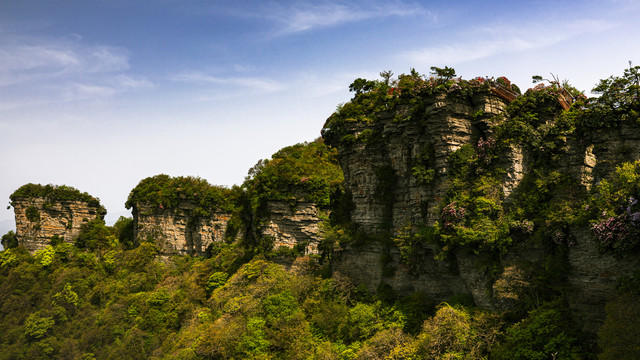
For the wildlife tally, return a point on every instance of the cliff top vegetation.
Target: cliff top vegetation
(375, 97)
(55, 193)
(166, 192)
(305, 171)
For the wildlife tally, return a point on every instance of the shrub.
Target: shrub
(9, 240)
(545, 334)
(33, 214)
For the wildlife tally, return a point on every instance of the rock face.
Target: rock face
(371, 168)
(178, 230)
(388, 196)
(38, 220)
(290, 226)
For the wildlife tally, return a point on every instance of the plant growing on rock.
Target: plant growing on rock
(163, 191)
(56, 193)
(619, 101)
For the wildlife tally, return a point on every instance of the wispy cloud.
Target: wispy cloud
(43, 69)
(30, 58)
(252, 83)
(500, 39)
(302, 17)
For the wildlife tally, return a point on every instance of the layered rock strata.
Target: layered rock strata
(444, 126)
(387, 196)
(290, 226)
(178, 230)
(38, 220)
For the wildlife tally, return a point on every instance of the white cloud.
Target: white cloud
(37, 70)
(500, 39)
(252, 83)
(127, 82)
(306, 16)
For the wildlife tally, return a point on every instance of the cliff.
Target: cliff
(461, 191)
(286, 198)
(291, 227)
(44, 212)
(181, 215)
(178, 230)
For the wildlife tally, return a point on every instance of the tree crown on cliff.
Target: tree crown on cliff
(55, 193)
(619, 100)
(166, 192)
(305, 171)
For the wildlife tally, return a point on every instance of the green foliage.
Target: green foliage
(164, 191)
(361, 85)
(9, 240)
(619, 336)
(445, 73)
(537, 122)
(305, 172)
(93, 235)
(123, 230)
(36, 327)
(614, 210)
(33, 214)
(405, 98)
(546, 333)
(422, 166)
(452, 333)
(618, 102)
(56, 193)
(45, 256)
(216, 280)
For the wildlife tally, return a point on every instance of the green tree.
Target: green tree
(123, 229)
(445, 73)
(9, 240)
(93, 235)
(619, 100)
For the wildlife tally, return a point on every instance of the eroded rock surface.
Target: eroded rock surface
(290, 226)
(38, 220)
(388, 196)
(179, 230)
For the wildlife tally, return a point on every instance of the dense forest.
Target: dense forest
(109, 295)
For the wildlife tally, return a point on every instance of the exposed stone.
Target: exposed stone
(446, 125)
(592, 279)
(290, 226)
(611, 146)
(178, 230)
(63, 219)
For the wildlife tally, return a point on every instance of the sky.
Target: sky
(100, 94)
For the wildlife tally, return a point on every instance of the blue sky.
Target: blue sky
(100, 94)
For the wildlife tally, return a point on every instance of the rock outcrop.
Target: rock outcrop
(178, 230)
(38, 220)
(390, 192)
(291, 226)
(374, 166)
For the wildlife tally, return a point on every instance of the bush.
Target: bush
(93, 235)
(547, 333)
(9, 240)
